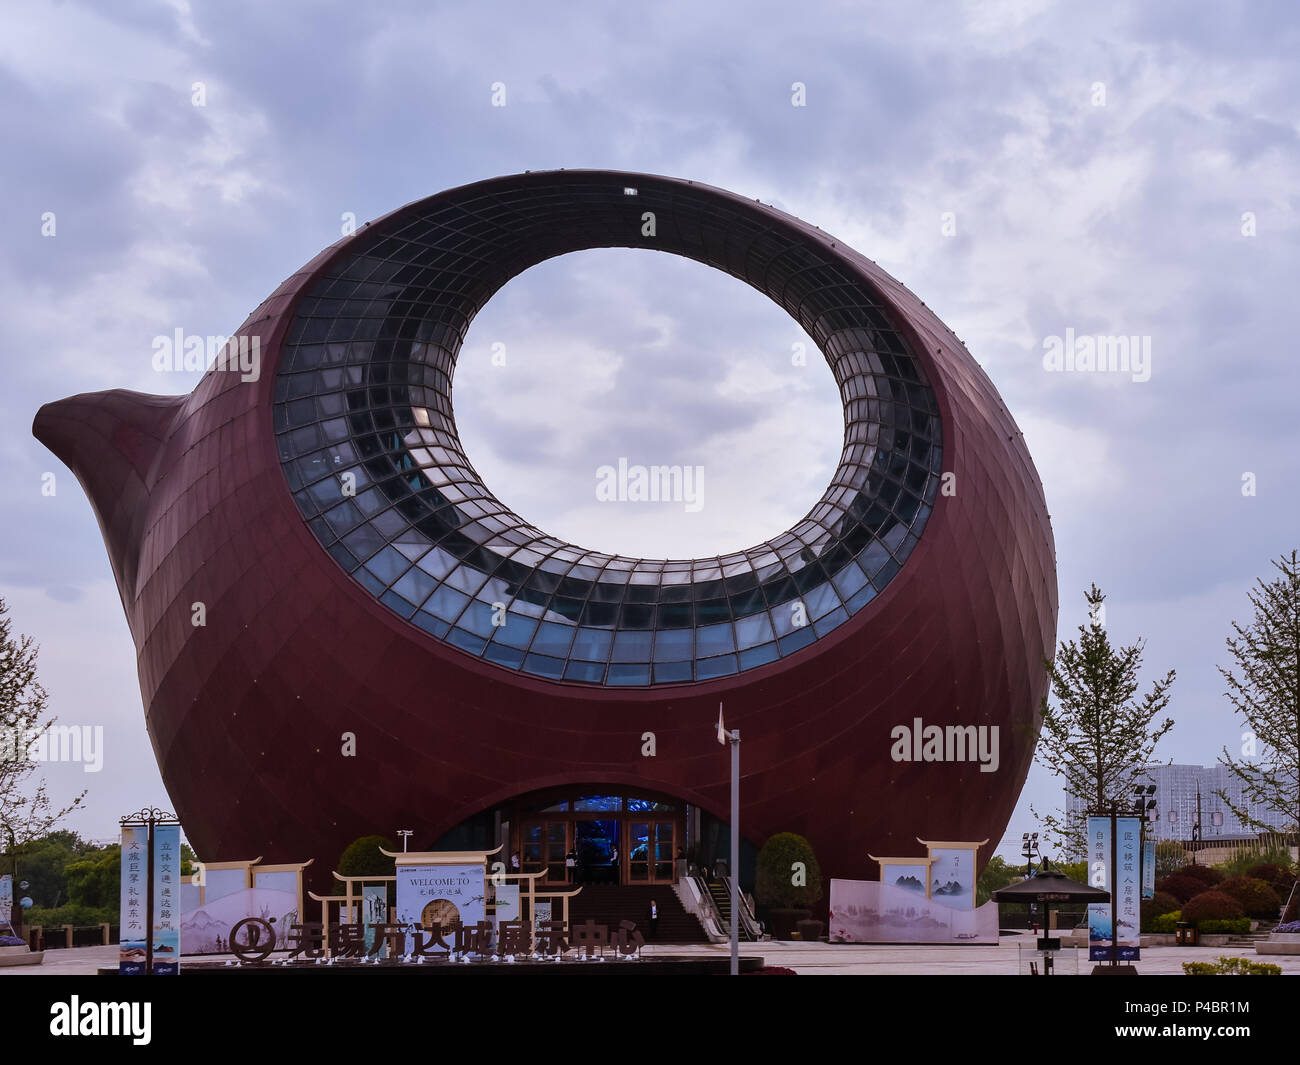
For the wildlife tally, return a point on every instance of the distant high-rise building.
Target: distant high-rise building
(1175, 811)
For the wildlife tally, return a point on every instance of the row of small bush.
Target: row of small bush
(1204, 894)
(1211, 912)
(1231, 967)
(69, 914)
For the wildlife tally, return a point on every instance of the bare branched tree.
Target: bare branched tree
(26, 812)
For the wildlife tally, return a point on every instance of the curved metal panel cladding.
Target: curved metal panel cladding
(366, 610)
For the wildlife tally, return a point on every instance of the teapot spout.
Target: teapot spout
(110, 441)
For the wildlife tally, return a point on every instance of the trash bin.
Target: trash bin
(1186, 936)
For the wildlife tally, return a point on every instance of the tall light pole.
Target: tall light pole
(406, 834)
(1028, 849)
(733, 737)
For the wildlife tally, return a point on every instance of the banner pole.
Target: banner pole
(735, 852)
(148, 906)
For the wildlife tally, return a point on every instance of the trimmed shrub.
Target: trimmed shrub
(1167, 923)
(1181, 887)
(1161, 904)
(362, 858)
(1211, 906)
(773, 884)
(1256, 897)
(1230, 967)
(1203, 873)
(1238, 927)
(1279, 878)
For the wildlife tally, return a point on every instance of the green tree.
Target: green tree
(43, 863)
(788, 876)
(1264, 689)
(361, 857)
(26, 812)
(96, 881)
(1099, 735)
(997, 874)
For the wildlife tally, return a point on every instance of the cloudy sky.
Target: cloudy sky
(1025, 167)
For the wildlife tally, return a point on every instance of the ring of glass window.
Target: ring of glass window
(369, 447)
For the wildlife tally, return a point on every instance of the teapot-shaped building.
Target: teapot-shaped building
(342, 632)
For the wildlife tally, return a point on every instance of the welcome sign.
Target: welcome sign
(439, 894)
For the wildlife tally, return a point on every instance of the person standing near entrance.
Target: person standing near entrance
(613, 863)
(654, 919)
(571, 865)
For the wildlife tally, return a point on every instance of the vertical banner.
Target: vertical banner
(6, 900)
(541, 914)
(1128, 881)
(166, 900)
(1149, 869)
(133, 937)
(1098, 877)
(374, 912)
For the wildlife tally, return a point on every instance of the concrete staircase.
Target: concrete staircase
(609, 904)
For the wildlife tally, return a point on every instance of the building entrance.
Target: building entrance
(588, 838)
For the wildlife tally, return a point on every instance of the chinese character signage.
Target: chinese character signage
(1098, 877)
(133, 935)
(166, 899)
(1149, 869)
(1127, 881)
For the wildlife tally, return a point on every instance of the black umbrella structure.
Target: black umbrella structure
(1049, 887)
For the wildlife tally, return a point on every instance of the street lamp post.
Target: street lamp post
(406, 834)
(733, 738)
(1196, 826)
(1028, 850)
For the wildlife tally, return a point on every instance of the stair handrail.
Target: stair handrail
(747, 917)
(710, 904)
(709, 914)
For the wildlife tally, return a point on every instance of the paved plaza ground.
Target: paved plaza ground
(815, 959)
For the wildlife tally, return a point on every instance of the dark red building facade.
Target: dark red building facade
(384, 645)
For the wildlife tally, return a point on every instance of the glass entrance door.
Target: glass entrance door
(651, 848)
(544, 846)
(595, 839)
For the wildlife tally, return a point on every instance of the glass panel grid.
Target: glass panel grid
(370, 450)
